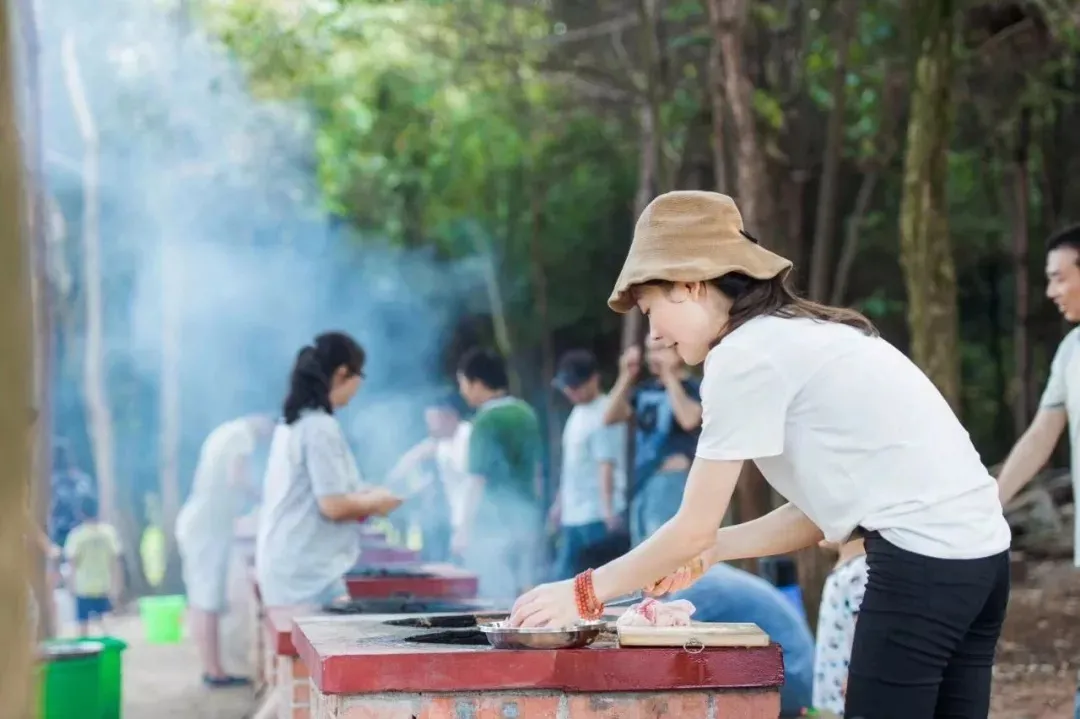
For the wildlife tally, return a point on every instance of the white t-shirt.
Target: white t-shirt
(852, 433)
(586, 443)
(217, 497)
(1063, 392)
(452, 459)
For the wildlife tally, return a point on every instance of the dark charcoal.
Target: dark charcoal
(466, 637)
(389, 572)
(458, 621)
(392, 605)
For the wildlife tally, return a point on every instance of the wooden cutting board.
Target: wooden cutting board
(704, 634)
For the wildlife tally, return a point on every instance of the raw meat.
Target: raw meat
(653, 613)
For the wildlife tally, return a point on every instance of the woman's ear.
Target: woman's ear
(697, 290)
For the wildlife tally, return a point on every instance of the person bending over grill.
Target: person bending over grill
(848, 430)
(313, 494)
(205, 528)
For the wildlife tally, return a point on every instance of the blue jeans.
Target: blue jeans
(572, 542)
(655, 503)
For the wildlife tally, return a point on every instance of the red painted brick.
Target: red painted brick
(301, 712)
(750, 704)
(301, 692)
(498, 706)
(377, 709)
(299, 669)
(747, 705)
(639, 706)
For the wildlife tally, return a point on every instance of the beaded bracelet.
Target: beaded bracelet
(588, 607)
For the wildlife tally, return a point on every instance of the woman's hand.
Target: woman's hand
(382, 500)
(682, 577)
(549, 605)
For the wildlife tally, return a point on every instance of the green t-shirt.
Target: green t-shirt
(504, 449)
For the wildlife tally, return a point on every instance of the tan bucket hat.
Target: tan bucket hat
(691, 236)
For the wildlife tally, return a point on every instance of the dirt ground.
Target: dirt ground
(162, 682)
(1039, 653)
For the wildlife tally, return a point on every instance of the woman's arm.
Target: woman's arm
(692, 531)
(618, 407)
(409, 461)
(781, 531)
(686, 409)
(355, 506)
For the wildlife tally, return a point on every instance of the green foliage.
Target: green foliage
(477, 125)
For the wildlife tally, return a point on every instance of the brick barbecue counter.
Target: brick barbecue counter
(363, 668)
(285, 672)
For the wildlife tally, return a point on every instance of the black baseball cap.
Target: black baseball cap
(576, 367)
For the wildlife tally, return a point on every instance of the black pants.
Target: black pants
(925, 637)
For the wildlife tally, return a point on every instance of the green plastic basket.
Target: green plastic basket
(163, 619)
(71, 679)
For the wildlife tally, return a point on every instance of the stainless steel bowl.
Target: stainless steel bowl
(580, 635)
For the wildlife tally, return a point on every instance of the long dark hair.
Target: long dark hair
(751, 297)
(309, 385)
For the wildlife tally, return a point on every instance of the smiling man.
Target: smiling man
(1060, 403)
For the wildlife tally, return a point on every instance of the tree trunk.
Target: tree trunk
(94, 375)
(169, 409)
(850, 249)
(1021, 202)
(16, 382)
(547, 345)
(752, 191)
(499, 323)
(925, 249)
(821, 266)
(717, 100)
(41, 297)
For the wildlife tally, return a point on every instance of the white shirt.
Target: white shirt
(586, 443)
(217, 497)
(1063, 392)
(852, 433)
(452, 459)
(299, 553)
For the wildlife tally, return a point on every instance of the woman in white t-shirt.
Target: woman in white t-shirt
(848, 430)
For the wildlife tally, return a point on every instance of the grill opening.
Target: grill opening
(397, 606)
(389, 573)
(456, 621)
(466, 637)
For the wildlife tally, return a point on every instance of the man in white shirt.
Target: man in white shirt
(591, 496)
(442, 495)
(1060, 403)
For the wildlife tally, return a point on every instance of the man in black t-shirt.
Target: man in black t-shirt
(666, 411)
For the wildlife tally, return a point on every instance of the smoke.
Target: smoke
(208, 197)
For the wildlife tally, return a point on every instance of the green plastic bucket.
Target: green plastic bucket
(110, 693)
(70, 679)
(162, 619)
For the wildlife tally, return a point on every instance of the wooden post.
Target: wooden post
(16, 384)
